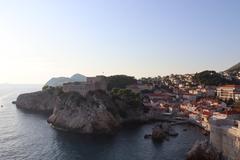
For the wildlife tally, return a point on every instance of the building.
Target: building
(201, 111)
(227, 92)
(92, 84)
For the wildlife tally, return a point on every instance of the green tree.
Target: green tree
(120, 81)
(127, 95)
(46, 87)
(210, 78)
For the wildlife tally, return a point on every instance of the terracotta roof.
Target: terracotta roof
(207, 113)
(230, 86)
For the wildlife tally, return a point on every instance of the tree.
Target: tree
(230, 101)
(46, 87)
(127, 95)
(120, 81)
(210, 78)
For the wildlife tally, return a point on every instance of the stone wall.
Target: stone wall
(92, 84)
(225, 137)
(82, 88)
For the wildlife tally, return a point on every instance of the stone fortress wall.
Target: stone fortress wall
(92, 84)
(225, 137)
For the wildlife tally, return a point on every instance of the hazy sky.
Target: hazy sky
(40, 39)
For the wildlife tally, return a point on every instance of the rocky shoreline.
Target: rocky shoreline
(96, 113)
(41, 101)
(100, 113)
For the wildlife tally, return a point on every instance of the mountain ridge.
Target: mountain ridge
(59, 81)
(235, 68)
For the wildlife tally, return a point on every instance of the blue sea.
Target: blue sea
(27, 136)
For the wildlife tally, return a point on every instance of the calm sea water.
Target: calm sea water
(27, 136)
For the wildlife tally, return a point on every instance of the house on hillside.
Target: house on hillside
(227, 92)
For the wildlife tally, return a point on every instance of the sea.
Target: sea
(27, 136)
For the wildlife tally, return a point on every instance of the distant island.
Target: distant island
(59, 81)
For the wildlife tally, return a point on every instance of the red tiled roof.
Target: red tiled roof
(230, 86)
(231, 112)
(206, 113)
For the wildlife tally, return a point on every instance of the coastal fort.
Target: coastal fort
(92, 84)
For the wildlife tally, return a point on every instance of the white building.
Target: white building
(227, 92)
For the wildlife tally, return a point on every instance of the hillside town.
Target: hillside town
(213, 107)
(199, 97)
(208, 100)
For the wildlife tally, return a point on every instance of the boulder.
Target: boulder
(162, 131)
(158, 134)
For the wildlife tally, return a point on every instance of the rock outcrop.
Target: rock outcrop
(95, 113)
(158, 134)
(161, 132)
(43, 101)
(84, 114)
(202, 150)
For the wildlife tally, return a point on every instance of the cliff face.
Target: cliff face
(83, 114)
(37, 101)
(98, 112)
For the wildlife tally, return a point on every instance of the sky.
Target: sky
(41, 39)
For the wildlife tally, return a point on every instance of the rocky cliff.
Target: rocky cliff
(88, 114)
(97, 112)
(38, 101)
